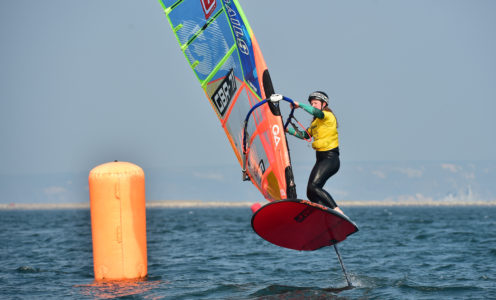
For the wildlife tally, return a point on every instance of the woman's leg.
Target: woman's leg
(327, 164)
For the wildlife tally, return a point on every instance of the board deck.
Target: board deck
(301, 225)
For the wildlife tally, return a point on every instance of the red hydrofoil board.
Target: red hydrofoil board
(301, 225)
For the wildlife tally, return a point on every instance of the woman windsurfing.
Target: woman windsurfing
(324, 131)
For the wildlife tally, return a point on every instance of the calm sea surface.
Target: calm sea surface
(212, 253)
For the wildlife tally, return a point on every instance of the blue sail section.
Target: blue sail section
(245, 46)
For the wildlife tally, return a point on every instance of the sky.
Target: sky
(87, 82)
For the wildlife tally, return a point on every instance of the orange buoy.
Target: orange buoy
(118, 220)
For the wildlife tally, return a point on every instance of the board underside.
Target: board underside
(301, 225)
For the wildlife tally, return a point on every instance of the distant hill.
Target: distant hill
(394, 182)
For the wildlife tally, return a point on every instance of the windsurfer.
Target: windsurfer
(324, 131)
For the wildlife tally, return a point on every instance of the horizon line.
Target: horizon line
(219, 204)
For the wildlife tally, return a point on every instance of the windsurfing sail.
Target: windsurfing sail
(222, 51)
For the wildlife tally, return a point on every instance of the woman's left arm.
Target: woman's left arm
(311, 110)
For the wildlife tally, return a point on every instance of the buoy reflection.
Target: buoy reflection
(105, 289)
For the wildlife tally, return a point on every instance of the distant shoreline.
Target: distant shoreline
(212, 204)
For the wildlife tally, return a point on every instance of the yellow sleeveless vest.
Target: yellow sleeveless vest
(324, 132)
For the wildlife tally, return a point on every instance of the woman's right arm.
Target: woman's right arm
(298, 134)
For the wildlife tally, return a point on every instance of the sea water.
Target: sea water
(212, 253)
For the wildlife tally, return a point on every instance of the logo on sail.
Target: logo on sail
(208, 7)
(224, 93)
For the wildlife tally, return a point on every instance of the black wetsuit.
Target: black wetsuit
(327, 164)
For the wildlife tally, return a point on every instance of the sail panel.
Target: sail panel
(188, 18)
(209, 47)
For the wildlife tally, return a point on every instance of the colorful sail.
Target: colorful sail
(222, 51)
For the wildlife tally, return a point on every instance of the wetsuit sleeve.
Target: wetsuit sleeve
(299, 134)
(312, 110)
